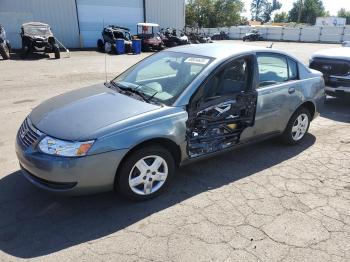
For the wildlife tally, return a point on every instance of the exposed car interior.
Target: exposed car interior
(224, 106)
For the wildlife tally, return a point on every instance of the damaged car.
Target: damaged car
(38, 38)
(335, 65)
(5, 47)
(110, 35)
(172, 108)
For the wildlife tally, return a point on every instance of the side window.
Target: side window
(273, 69)
(229, 80)
(293, 69)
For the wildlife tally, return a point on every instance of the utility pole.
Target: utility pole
(300, 9)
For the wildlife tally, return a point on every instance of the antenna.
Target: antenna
(103, 22)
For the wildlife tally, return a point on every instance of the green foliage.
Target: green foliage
(281, 17)
(261, 10)
(345, 14)
(311, 9)
(213, 13)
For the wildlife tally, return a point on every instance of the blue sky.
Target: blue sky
(331, 5)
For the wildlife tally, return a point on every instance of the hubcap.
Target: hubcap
(299, 127)
(148, 175)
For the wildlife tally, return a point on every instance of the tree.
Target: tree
(307, 11)
(261, 10)
(281, 18)
(345, 14)
(213, 13)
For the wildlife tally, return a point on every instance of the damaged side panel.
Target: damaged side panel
(219, 126)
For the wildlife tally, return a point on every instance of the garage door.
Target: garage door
(93, 15)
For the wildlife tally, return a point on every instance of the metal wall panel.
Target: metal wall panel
(94, 15)
(60, 15)
(166, 13)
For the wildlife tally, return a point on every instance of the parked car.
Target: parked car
(150, 40)
(5, 47)
(253, 35)
(109, 36)
(38, 37)
(170, 109)
(335, 65)
(220, 36)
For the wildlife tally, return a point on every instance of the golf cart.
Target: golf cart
(149, 39)
(253, 35)
(4, 44)
(38, 38)
(109, 36)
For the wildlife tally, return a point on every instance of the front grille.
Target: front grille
(331, 66)
(27, 134)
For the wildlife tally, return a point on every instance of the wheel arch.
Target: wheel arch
(309, 106)
(167, 143)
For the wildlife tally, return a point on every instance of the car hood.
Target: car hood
(78, 114)
(339, 53)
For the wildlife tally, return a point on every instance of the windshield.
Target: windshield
(163, 76)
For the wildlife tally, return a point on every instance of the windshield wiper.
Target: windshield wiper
(131, 90)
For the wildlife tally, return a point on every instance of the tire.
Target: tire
(108, 48)
(147, 177)
(290, 136)
(56, 51)
(25, 50)
(100, 45)
(4, 51)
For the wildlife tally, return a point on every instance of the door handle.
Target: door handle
(291, 90)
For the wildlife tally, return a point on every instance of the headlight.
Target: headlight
(53, 146)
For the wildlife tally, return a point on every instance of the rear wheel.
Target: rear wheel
(297, 127)
(4, 51)
(146, 173)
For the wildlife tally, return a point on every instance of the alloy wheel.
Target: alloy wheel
(300, 126)
(148, 175)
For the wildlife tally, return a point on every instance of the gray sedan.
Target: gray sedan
(174, 107)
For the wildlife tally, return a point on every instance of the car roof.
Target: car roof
(148, 24)
(220, 51)
(34, 24)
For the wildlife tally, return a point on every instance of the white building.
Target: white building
(330, 21)
(78, 23)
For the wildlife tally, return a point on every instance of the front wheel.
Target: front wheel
(145, 173)
(297, 127)
(4, 51)
(56, 51)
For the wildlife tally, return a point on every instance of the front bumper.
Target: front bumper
(338, 85)
(71, 176)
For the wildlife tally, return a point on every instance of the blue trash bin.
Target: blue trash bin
(120, 46)
(136, 46)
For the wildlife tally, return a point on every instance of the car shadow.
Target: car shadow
(336, 109)
(35, 223)
(29, 57)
